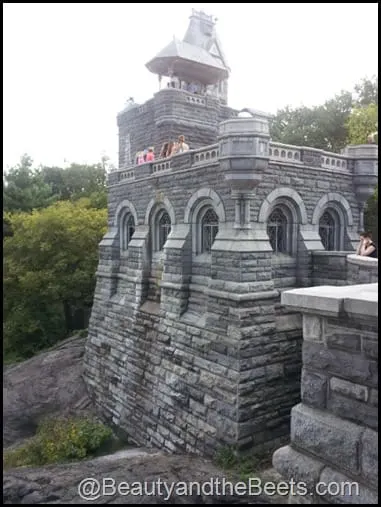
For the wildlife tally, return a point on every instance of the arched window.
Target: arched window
(127, 230)
(329, 229)
(208, 222)
(163, 228)
(279, 231)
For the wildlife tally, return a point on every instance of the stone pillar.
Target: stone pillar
(334, 430)
(365, 173)
(177, 270)
(241, 297)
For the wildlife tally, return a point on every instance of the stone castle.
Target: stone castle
(190, 347)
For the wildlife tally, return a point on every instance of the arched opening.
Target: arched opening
(329, 230)
(208, 226)
(163, 228)
(280, 230)
(127, 229)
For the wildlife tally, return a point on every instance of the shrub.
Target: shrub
(59, 440)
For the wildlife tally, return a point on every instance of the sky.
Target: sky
(69, 68)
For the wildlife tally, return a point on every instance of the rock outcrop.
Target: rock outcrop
(47, 384)
(169, 476)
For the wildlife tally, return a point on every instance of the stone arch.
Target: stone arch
(280, 195)
(204, 196)
(156, 204)
(337, 202)
(125, 205)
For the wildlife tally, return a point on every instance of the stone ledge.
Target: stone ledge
(359, 260)
(326, 253)
(334, 300)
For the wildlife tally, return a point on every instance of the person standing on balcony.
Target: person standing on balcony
(150, 157)
(182, 146)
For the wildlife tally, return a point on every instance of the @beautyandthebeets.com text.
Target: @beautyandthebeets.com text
(92, 489)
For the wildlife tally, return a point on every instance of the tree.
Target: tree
(366, 92)
(77, 180)
(361, 123)
(24, 188)
(49, 273)
(325, 126)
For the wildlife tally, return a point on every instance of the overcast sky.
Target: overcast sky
(69, 68)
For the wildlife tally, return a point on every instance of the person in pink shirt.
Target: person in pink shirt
(150, 157)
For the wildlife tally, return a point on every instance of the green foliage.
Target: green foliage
(320, 127)
(60, 440)
(24, 188)
(75, 181)
(27, 188)
(361, 123)
(245, 466)
(49, 274)
(327, 126)
(366, 92)
(371, 216)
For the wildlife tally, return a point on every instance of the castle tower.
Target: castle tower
(194, 102)
(196, 62)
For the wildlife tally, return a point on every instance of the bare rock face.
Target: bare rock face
(47, 384)
(125, 478)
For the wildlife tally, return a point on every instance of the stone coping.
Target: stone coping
(330, 253)
(360, 260)
(335, 301)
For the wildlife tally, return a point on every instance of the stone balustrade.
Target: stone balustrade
(334, 430)
(285, 152)
(278, 153)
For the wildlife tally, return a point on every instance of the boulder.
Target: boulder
(127, 477)
(46, 385)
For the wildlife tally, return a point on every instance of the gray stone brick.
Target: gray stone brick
(313, 389)
(369, 461)
(345, 364)
(350, 389)
(326, 436)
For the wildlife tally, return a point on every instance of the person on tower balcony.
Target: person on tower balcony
(150, 157)
(182, 145)
(366, 246)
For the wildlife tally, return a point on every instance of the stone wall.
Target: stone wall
(334, 430)
(192, 351)
(170, 113)
(362, 269)
(342, 268)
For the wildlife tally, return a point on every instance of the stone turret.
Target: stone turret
(244, 155)
(197, 62)
(365, 173)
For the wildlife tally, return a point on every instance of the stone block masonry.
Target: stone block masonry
(189, 348)
(334, 430)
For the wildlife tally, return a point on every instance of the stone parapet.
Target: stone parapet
(362, 269)
(334, 430)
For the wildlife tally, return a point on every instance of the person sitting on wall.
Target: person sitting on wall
(366, 246)
(150, 157)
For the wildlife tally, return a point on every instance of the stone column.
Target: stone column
(241, 297)
(176, 273)
(365, 174)
(334, 430)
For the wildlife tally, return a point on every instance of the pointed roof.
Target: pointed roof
(197, 57)
(188, 61)
(201, 32)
